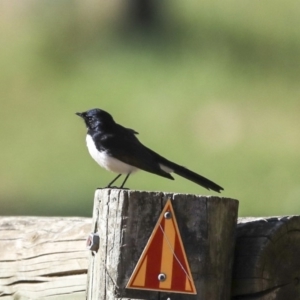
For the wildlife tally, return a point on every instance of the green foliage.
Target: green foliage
(214, 87)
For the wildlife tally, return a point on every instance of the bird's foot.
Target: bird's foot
(107, 187)
(112, 187)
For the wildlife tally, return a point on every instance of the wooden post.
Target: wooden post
(125, 220)
(267, 259)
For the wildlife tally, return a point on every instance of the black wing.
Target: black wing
(123, 145)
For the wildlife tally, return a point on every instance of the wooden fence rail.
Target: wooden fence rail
(267, 259)
(43, 258)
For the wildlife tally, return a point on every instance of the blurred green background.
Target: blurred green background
(212, 86)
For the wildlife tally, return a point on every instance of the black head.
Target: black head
(96, 118)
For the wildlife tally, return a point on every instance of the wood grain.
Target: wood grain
(43, 258)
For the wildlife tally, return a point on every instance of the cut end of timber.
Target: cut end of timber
(163, 193)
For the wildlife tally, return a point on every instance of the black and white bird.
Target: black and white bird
(117, 149)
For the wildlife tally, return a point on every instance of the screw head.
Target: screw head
(168, 215)
(162, 277)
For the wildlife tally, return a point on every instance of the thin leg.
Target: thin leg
(124, 181)
(113, 181)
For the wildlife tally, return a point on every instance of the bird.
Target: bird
(117, 149)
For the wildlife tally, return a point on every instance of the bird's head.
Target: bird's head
(96, 118)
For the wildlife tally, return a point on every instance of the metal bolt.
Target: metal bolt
(93, 242)
(168, 215)
(162, 277)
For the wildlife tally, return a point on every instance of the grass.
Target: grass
(216, 90)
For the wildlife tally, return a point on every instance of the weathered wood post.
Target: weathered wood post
(125, 219)
(267, 259)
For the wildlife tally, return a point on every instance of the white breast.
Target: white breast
(106, 161)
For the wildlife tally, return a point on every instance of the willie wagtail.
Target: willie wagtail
(117, 149)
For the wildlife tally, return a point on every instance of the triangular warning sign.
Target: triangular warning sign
(163, 265)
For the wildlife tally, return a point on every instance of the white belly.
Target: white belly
(106, 161)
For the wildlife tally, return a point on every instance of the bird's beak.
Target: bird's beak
(80, 114)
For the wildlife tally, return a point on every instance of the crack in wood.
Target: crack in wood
(45, 254)
(68, 273)
(258, 295)
(5, 295)
(106, 241)
(25, 281)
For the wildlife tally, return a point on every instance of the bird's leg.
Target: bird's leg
(121, 187)
(109, 185)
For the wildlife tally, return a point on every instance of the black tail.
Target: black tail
(186, 173)
(192, 176)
